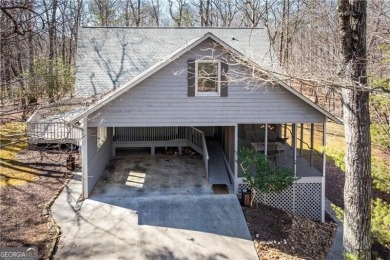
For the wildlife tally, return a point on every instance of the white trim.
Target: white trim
(208, 94)
(312, 179)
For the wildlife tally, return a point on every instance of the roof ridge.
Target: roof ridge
(166, 27)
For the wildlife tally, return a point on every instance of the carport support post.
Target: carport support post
(84, 157)
(301, 141)
(311, 143)
(323, 173)
(294, 144)
(236, 159)
(266, 140)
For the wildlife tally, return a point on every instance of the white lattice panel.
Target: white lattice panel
(307, 202)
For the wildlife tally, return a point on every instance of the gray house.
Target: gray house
(211, 89)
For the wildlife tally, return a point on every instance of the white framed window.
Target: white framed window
(208, 78)
(101, 134)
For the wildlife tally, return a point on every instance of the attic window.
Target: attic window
(208, 78)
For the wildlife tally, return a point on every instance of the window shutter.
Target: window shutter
(191, 78)
(224, 79)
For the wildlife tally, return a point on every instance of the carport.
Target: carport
(138, 173)
(215, 153)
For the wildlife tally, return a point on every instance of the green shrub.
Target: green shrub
(380, 222)
(261, 175)
(337, 155)
(380, 135)
(339, 212)
(381, 174)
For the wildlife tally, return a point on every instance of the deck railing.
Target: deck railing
(148, 134)
(55, 132)
(199, 140)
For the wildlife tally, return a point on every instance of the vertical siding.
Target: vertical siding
(162, 100)
(98, 158)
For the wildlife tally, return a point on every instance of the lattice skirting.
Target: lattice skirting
(303, 199)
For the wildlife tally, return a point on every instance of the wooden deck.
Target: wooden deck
(303, 166)
(42, 128)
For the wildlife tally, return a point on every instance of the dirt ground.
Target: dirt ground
(280, 235)
(22, 223)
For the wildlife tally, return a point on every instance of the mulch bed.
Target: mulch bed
(280, 235)
(22, 223)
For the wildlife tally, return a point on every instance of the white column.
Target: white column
(84, 158)
(235, 159)
(266, 141)
(301, 141)
(323, 173)
(294, 144)
(311, 143)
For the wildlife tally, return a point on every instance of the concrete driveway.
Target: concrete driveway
(158, 225)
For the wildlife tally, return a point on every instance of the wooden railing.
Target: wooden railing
(55, 132)
(197, 138)
(148, 134)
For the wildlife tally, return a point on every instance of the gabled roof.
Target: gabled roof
(151, 70)
(108, 57)
(174, 55)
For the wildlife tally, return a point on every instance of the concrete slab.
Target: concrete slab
(170, 225)
(144, 175)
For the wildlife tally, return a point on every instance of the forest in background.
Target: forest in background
(38, 38)
(38, 48)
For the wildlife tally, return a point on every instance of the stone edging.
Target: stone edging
(46, 212)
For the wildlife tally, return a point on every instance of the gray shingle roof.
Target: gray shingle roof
(108, 57)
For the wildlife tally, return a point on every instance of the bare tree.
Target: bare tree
(104, 12)
(179, 11)
(226, 12)
(358, 182)
(155, 11)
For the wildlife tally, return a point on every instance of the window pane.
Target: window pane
(207, 85)
(208, 69)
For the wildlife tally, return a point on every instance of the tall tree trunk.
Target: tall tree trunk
(283, 23)
(357, 191)
(52, 38)
(32, 92)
